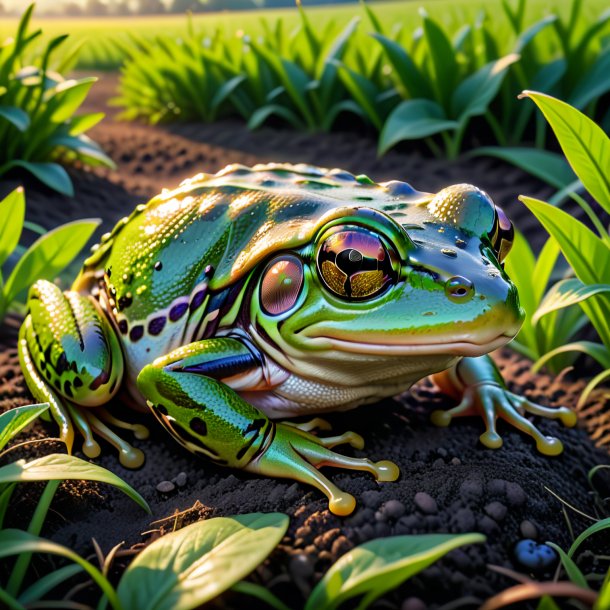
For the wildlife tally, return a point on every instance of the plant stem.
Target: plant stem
(496, 128)
(23, 561)
(434, 147)
(592, 217)
(9, 601)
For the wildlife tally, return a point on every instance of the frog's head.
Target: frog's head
(420, 281)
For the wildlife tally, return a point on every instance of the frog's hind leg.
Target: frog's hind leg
(317, 423)
(72, 359)
(185, 391)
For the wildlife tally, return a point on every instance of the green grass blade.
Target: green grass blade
(598, 352)
(17, 542)
(12, 215)
(16, 419)
(380, 565)
(59, 466)
(52, 175)
(48, 582)
(585, 145)
(600, 526)
(572, 570)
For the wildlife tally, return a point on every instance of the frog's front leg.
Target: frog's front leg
(186, 392)
(477, 382)
(71, 358)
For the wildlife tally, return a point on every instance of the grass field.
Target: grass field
(101, 37)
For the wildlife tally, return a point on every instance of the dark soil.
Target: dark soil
(449, 482)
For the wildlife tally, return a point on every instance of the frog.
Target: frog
(241, 300)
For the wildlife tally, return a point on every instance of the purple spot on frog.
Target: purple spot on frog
(177, 311)
(156, 325)
(136, 333)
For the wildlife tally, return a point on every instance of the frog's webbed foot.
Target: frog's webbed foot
(491, 401)
(296, 454)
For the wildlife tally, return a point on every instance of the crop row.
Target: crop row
(405, 82)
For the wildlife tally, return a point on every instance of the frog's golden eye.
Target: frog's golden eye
(502, 235)
(355, 264)
(281, 285)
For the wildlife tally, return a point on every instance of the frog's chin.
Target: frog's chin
(449, 348)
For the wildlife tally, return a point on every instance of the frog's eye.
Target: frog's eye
(354, 263)
(281, 285)
(502, 235)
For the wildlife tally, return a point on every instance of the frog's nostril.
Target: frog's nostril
(458, 289)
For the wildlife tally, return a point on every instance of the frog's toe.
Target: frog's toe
(491, 439)
(549, 445)
(317, 423)
(565, 415)
(387, 471)
(349, 438)
(342, 505)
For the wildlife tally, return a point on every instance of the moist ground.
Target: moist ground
(449, 482)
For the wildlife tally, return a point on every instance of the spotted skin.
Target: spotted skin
(262, 293)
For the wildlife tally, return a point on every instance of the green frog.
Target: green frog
(259, 294)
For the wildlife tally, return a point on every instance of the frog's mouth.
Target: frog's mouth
(450, 348)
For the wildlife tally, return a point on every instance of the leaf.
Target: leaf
(18, 542)
(548, 166)
(12, 215)
(587, 254)
(474, 94)
(15, 420)
(58, 466)
(362, 90)
(380, 565)
(444, 64)
(566, 293)
(52, 175)
(413, 119)
(48, 582)
(68, 97)
(572, 570)
(600, 526)
(406, 69)
(594, 83)
(603, 599)
(260, 115)
(585, 145)
(17, 117)
(598, 352)
(84, 147)
(80, 124)
(185, 569)
(49, 255)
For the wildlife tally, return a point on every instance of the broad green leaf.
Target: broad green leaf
(381, 565)
(362, 90)
(58, 466)
(443, 63)
(18, 542)
(594, 83)
(572, 570)
(12, 215)
(49, 255)
(530, 33)
(80, 124)
(15, 420)
(16, 116)
(68, 97)
(85, 147)
(186, 568)
(600, 526)
(413, 119)
(260, 115)
(598, 352)
(587, 254)
(52, 175)
(474, 94)
(405, 68)
(566, 293)
(585, 145)
(548, 166)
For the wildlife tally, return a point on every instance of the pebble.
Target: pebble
(442, 452)
(515, 495)
(394, 509)
(464, 519)
(456, 461)
(471, 489)
(166, 487)
(534, 556)
(497, 487)
(426, 503)
(181, 479)
(487, 525)
(413, 603)
(496, 510)
(528, 529)
(371, 498)
(340, 546)
(300, 566)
